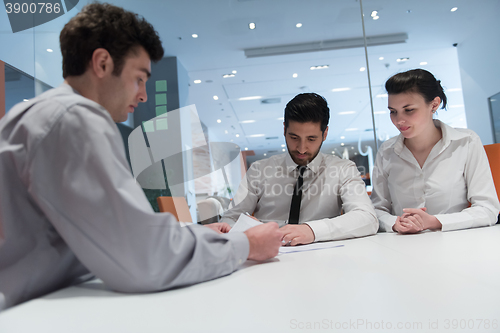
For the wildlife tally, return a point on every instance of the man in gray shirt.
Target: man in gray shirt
(69, 205)
(328, 185)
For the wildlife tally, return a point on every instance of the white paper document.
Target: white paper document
(244, 223)
(308, 247)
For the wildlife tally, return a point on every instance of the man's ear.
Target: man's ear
(325, 133)
(101, 63)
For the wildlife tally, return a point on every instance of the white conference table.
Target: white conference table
(430, 282)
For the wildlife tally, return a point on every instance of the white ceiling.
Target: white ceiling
(223, 32)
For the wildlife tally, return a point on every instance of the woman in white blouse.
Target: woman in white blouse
(431, 176)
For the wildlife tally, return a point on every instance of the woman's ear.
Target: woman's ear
(435, 103)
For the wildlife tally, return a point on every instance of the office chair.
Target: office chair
(493, 153)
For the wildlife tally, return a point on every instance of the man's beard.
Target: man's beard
(307, 160)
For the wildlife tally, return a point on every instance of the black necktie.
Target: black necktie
(297, 197)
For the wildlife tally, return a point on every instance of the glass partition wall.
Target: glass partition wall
(240, 61)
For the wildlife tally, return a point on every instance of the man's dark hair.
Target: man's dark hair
(105, 26)
(308, 107)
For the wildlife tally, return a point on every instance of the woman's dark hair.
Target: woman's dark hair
(418, 81)
(105, 26)
(308, 107)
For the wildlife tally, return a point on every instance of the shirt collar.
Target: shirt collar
(449, 134)
(314, 165)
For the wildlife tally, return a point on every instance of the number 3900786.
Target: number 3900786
(32, 8)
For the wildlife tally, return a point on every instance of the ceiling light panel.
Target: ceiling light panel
(333, 44)
(319, 67)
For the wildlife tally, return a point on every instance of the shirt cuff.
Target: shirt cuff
(449, 222)
(386, 223)
(241, 246)
(320, 230)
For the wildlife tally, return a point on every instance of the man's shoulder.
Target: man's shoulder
(275, 160)
(52, 103)
(59, 107)
(332, 160)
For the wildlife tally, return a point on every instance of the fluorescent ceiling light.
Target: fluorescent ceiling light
(340, 89)
(280, 118)
(376, 17)
(374, 13)
(225, 76)
(234, 72)
(381, 95)
(332, 44)
(246, 148)
(247, 121)
(265, 154)
(319, 67)
(381, 58)
(283, 149)
(194, 35)
(25, 100)
(255, 135)
(342, 137)
(295, 75)
(351, 129)
(342, 144)
(283, 145)
(346, 112)
(226, 131)
(251, 26)
(402, 59)
(216, 97)
(219, 121)
(423, 63)
(362, 69)
(249, 98)
(197, 81)
(50, 50)
(237, 135)
(453, 89)
(454, 9)
(298, 25)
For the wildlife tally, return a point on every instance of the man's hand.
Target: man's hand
(265, 241)
(297, 234)
(220, 228)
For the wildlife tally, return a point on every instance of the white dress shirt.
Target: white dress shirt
(455, 173)
(69, 205)
(330, 185)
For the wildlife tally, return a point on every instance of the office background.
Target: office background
(240, 61)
